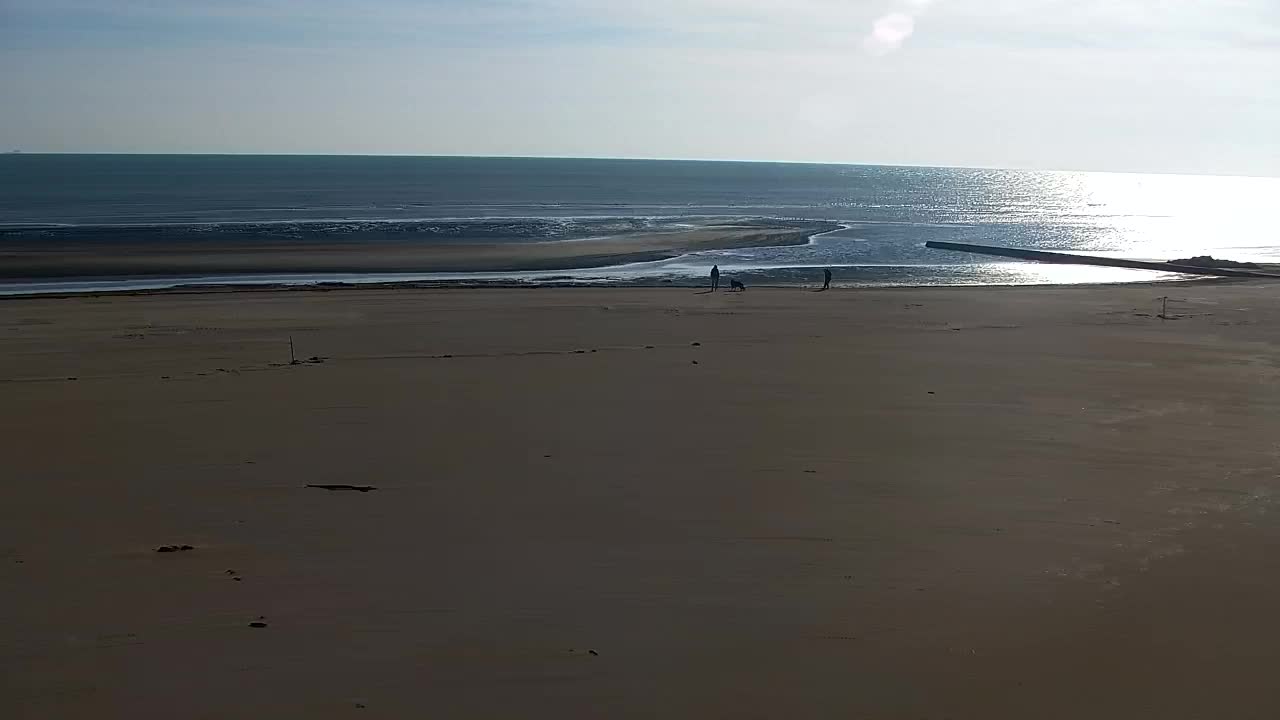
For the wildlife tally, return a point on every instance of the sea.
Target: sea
(885, 214)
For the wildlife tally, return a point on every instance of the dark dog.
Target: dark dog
(736, 285)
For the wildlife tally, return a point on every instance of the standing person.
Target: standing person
(826, 274)
(715, 277)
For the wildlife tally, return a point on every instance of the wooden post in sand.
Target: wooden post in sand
(1164, 308)
(293, 360)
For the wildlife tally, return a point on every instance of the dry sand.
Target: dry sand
(188, 258)
(997, 503)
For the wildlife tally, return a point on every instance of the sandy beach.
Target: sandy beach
(638, 503)
(42, 259)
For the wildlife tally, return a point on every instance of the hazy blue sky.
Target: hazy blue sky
(1158, 85)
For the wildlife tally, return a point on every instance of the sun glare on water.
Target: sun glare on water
(1161, 217)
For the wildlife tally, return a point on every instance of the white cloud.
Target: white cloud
(889, 32)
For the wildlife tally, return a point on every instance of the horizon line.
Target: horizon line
(18, 151)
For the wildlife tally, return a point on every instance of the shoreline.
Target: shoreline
(631, 274)
(34, 262)
(652, 258)
(472, 285)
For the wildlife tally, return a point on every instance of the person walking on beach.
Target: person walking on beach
(715, 277)
(826, 274)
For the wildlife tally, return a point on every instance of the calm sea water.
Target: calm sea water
(889, 212)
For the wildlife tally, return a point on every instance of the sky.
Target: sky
(1182, 86)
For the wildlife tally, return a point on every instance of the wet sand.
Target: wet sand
(944, 503)
(34, 261)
